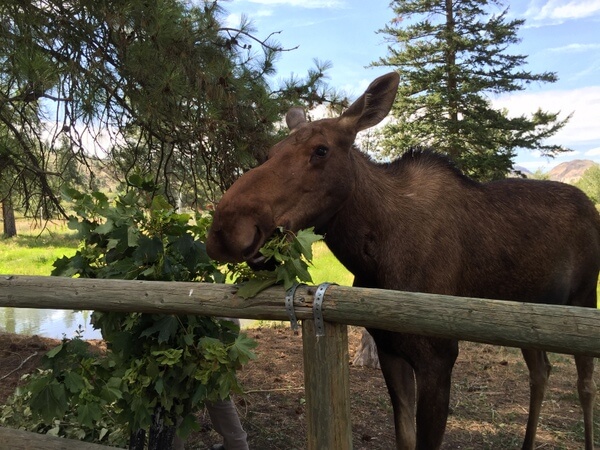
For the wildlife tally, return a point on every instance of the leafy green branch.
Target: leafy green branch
(153, 362)
(290, 255)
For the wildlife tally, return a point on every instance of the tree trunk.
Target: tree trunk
(452, 83)
(161, 435)
(8, 218)
(366, 354)
(137, 440)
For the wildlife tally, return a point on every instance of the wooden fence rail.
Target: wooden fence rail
(561, 329)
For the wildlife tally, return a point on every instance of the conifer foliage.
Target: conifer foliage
(452, 57)
(162, 88)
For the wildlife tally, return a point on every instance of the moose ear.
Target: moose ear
(372, 107)
(295, 117)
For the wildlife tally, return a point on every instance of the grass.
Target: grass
(326, 268)
(34, 249)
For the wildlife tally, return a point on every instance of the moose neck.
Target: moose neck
(393, 211)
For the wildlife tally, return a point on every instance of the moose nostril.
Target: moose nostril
(254, 247)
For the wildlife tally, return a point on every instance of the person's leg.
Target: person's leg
(226, 422)
(178, 443)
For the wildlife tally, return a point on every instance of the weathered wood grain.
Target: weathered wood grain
(26, 440)
(562, 329)
(327, 388)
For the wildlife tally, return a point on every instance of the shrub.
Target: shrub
(156, 364)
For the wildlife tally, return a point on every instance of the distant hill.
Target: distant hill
(571, 171)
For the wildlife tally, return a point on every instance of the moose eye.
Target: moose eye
(320, 151)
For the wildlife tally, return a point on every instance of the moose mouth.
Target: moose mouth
(260, 262)
(242, 243)
(252, 254)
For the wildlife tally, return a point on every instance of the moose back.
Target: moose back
(418, 224)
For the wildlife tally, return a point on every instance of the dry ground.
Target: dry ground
(488, 404)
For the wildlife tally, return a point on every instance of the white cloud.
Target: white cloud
(572, 48)
(233, 20)
(593, 152)
(310, 4)
(94, 141)
(561, 10)
(584, 103)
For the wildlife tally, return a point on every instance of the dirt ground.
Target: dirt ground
(488, 405)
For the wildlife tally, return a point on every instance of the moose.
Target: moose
(419, 224)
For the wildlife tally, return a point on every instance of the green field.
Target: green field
(34, 250)
(326, 268)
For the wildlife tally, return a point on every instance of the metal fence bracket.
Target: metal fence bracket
(289, 305)
(318, 308)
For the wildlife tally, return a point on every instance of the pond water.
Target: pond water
(52, 323)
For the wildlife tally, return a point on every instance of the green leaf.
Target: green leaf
(301, 270)
(100, 197)
(50, 402)
(188, 339)
(74, 382)
(227, 382)
(252, 287)
(199, 394)
(106, 227)
(159, 386)
(305, 239)
(55, 351)
(168, 357)
(112, 243)
(241, 350)
(152, 369)
(166, 327)
(135, 180)
(133, 236)
(88, 414)
(159, 203)
(187, 426)
(286, 275)
(111, 391)
(148, 249)
(70, 194)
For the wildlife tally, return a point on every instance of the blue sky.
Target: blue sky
(561, 36)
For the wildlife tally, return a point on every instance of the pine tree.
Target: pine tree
(452, 55)
(162, 88)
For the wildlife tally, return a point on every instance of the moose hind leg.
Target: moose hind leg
(539, 371)
(586, 388)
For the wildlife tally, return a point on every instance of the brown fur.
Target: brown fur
(418, 224)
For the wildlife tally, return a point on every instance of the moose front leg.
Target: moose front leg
(433, 372)
(400, 381)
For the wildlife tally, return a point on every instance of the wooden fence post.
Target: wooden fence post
(326, 386)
